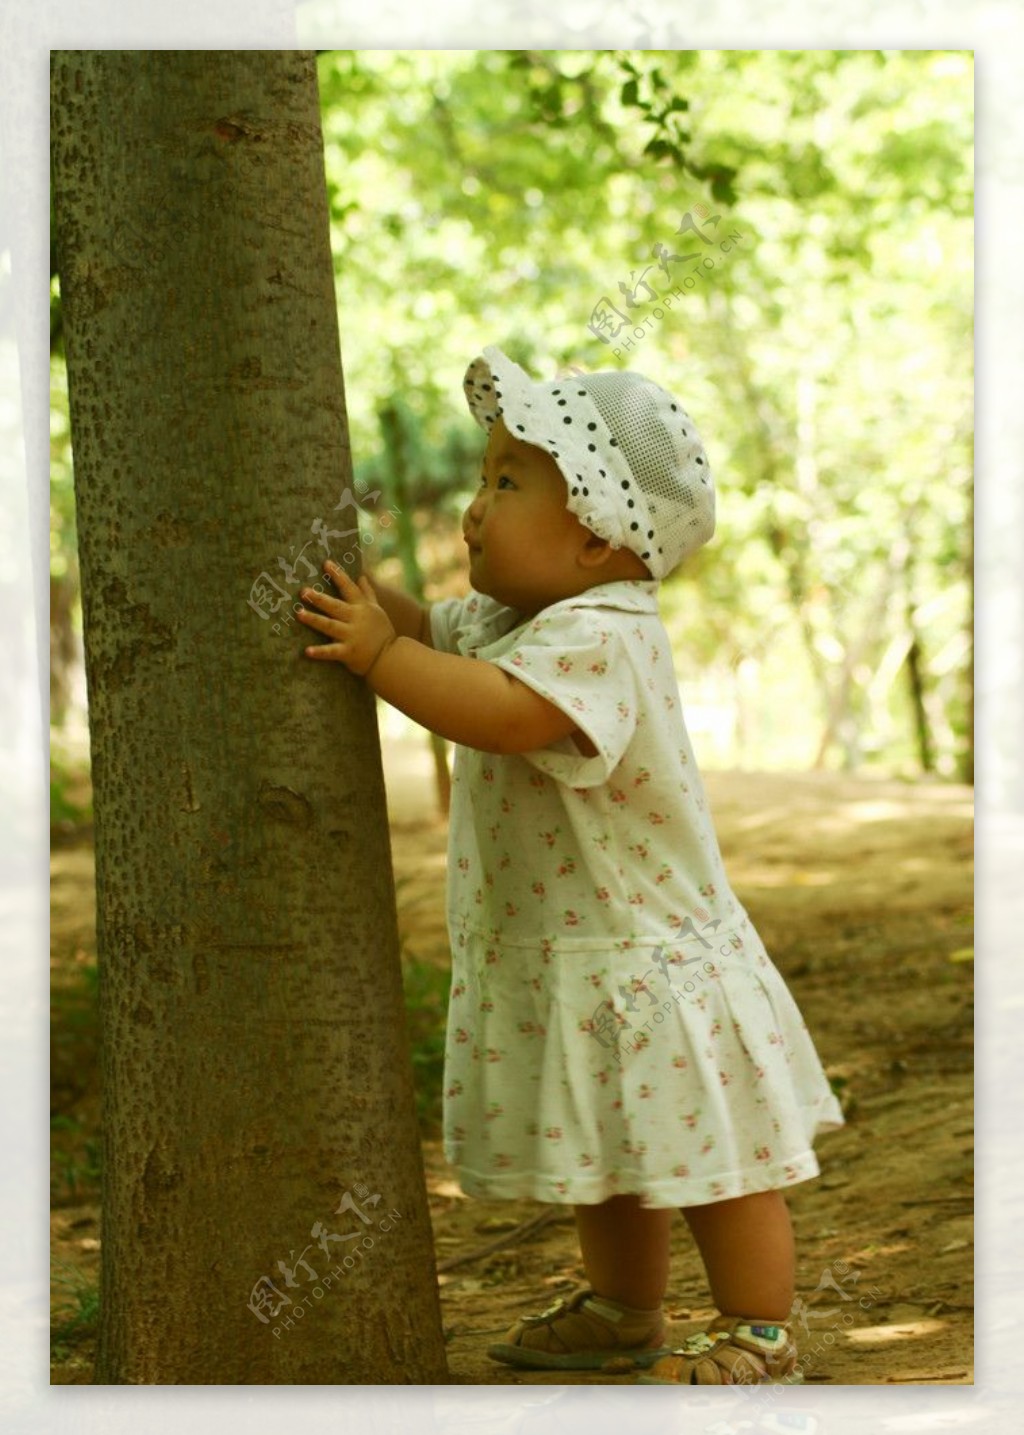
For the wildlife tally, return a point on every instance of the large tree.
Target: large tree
(264, 1207)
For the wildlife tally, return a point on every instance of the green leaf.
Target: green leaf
(721, 185)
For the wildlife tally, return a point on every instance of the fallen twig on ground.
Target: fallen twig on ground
(509, 1238)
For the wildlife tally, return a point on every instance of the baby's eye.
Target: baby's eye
(502, 481)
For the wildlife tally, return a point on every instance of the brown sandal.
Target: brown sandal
(733, 1350)
(584, 1332)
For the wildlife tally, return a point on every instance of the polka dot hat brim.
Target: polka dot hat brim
(635, 469)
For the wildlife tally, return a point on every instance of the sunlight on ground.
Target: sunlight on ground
(904, 1330)
(951, 801)
(778, 876)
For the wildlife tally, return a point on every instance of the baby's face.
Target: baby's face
(524, 544)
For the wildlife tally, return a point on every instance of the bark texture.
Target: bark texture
(264, 1207)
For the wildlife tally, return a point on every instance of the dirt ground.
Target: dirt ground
(862, 891)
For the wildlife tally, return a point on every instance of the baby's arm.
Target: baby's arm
(466, 700)
(410, 619)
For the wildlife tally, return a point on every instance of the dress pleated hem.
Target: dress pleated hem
(590, 1188)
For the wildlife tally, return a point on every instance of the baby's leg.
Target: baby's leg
(747, 1248)
(625, 1250)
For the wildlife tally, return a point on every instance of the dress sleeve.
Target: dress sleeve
(454, 621)
(444, 621)
(577, 659)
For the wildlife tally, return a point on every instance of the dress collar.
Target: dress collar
(492, 622)
(628, 595)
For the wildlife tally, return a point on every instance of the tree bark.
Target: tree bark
(264, 1206)
(916, 666)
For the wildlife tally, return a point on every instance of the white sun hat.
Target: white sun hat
(634, 465)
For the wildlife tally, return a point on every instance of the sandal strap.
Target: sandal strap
(594, 1304)
(588, 1325)
(701, 1343)
(731, 1351)
(546, 1316)
(559, 1308)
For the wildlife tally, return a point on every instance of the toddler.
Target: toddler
(618, 1039)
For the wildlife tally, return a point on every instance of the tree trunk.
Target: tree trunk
(838, 708)
(916, 668)
(264, 1207)
(787, 544)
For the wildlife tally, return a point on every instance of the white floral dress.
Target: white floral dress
(615, 1025)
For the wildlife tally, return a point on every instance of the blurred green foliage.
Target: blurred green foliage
(426, 1002)
(75, 1315)
(500, 196)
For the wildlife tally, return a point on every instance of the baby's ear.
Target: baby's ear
(599, 556)
(595, 551)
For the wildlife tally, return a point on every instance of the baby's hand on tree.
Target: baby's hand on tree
(357, 628)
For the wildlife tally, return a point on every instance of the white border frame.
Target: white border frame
(994, 31)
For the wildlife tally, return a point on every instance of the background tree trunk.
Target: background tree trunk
(396, 449)
(264, 1206)
(917, 673)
